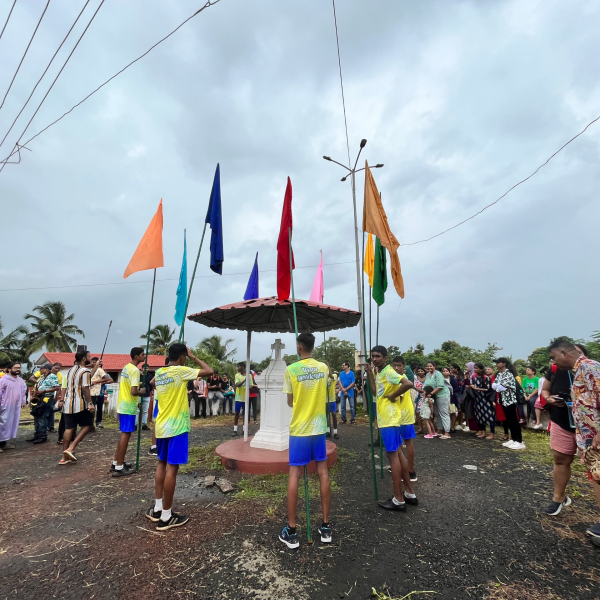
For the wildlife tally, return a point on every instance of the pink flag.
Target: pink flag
(318, 290)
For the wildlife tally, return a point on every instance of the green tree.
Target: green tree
(161, 337)
(263, 364)
(52, 328)
(335, 352)
(209, 359)
(13, 345)
(216, 346)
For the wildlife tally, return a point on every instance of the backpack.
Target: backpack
(520, 394)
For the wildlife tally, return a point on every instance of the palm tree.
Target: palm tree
(219, 348)
(161, 337)
(13, 345)
(52, 328)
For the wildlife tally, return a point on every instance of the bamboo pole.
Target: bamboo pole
(137, 458)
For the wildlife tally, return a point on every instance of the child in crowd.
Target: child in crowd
(427, 412)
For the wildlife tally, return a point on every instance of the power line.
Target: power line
(337, 41)
(7, 19)
(61, 287)
(44, 73)
(508, 191)
(18, 145)
(208, 4)
(26, 50)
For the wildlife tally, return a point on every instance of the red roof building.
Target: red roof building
(111, 363)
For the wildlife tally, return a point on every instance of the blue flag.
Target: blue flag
(214, 219)
(182, 288)
(252, 289)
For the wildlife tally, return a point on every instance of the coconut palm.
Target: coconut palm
(12, 345)
(52, 328)
(161, 337)
(219, 348)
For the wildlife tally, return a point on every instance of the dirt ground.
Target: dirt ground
(75, 532)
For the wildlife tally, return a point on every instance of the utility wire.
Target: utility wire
(44, 73)
(7, 19)
(61, 287)
(337, 41)
(18, 145)
(17, 149)
(26, 50)
(508, 191)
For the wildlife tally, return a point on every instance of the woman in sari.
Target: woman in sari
(420, 375)
(485, 411)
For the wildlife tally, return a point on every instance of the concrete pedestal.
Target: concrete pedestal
(275, 414)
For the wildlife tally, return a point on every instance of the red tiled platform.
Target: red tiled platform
(238, 455)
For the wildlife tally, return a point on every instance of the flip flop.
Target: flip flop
(69, 456)
(62, 461)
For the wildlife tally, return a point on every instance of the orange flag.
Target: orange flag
(375, 222)
(149, 253)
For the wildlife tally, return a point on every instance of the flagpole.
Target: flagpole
(248, 380)
(366, 385)
(306, 493)
(137, 458)
(187, 302)
(106, 340)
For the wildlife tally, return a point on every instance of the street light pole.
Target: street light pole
(352, 172)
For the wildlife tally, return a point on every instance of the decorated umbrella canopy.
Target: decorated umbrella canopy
(274, 316)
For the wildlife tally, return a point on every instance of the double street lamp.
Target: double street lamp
(352, 174)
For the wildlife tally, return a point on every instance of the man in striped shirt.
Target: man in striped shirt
(76, 405)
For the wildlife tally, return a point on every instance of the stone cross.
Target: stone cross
(278, 347)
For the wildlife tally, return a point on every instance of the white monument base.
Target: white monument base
(275, 414)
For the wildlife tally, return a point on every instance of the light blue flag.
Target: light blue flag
(182, 287)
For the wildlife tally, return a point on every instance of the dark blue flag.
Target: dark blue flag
(214, 219)
(252, 289)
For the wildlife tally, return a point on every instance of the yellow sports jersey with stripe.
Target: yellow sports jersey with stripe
(173, 411)
(307, 381)
(407, 407)
(130, 377)
(240, 392)
(331, 383)
(388, 413)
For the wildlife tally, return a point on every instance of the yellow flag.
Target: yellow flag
(375, 222)
(369, 266)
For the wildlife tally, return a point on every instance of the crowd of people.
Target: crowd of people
(408, 400)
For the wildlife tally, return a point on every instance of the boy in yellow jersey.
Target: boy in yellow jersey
(390, 389)
(172, 427)
(240, 394)
(407, 418)
(332, 400)
(127, 408)
(305, 383)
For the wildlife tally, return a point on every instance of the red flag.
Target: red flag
(284, 277)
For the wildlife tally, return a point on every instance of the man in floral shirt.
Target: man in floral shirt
(585, 394)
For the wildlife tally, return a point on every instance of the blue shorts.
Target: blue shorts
(155, 412)
(173, 450)
(391, 438)
(306, 449)
(126, 423)
(407, 432)
(239, 406)
(333, 407)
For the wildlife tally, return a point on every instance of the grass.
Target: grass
(203, 457)
(538, 449)
(409, 596)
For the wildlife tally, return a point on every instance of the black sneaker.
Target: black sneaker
(54, 430)
(59, 441)
(99, 426)
(234, 434)
(325, 531)
(328, 434)
(146, 428)
(289, 539)
(153, 451)
(126, 465)
(555, 507)
(411, 501)
(413, 476)
(40, 440)
(594, 532)
(153, 515)
(352, 422)
(32, 439)
(175, 521)
(123, 472)
(390, 505)
(336, 436)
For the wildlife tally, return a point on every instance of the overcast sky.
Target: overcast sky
(460, 100)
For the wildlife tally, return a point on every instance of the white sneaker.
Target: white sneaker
(509, 443)
(538, 426)
(458, 428)
(466, 428)
(517, 446)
